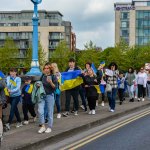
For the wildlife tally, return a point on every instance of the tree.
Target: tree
(61, 55)
(90, 46)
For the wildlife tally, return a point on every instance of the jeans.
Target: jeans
(131, 91)
(148, 90)
(26, 108)
(74, 94)
(112, 98)
(92, 102)
(47, 101)
(141, 91)
(57, 102)
(82, 95)
(14, 109)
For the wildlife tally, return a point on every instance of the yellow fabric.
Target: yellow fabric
(97, 88)
(12, 82)
(30, 89)
(6, 92)
(69, 84)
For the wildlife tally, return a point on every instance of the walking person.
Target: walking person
(57, 93)
(101, 81)
(90, 80)
(121, 86)
(141, 81)
(48, 83)
(148, 84)
(74, 92)
(27, 105)
(112, 76)
(13, 85)
(130, 79)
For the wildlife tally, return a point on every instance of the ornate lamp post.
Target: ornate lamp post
(35, 70)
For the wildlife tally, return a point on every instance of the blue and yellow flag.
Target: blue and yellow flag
(1, 75)
(29, 88)
(70, 80)
(12, 81)
(93, 68)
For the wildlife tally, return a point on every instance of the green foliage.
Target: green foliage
(61, 55)
(90, 46)
(9, 55)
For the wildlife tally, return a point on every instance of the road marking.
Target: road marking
(107, 130)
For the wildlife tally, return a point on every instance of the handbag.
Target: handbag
(57, 91)
(108, 87)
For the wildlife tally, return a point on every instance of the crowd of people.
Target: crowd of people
(46, 92)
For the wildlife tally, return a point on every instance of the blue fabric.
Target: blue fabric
(102, 88)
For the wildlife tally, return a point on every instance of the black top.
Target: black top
(47, 86)
(90, 90)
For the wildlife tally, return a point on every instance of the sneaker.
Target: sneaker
(143, 99)
(48, 130)
(138, 99)
(112, 110)
(93, 112)
(19, 124)
(42, 129)
(96, 103)
(26, 122)
(7, 125)
(82, 107)
(102, 104)
(135, 97)
(66, 114)
(34, 119)
(76, 113)
(59, 116)
(90, 112)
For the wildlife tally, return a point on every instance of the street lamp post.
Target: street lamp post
(35, 70)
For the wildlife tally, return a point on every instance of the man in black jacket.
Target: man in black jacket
(72, 92)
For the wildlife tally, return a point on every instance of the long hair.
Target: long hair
(55, 68)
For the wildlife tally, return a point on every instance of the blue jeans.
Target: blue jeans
(112, 98)
(57, 102)
(47, 102)
(14, 109)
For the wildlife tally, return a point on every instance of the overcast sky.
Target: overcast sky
(91, 19)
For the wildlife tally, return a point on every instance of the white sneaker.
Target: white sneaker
(59, 116)
(90, 112)
(102, 104)
(82, 107)
(112, 110)
(34, 119)
(42, 129)
(7, 125)
(143, 99)
(138, 99)
(26, 122)
(76, 113)
(93, 112)
(19, 124)
(48, 130)
(135, 97)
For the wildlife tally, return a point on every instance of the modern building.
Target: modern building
(132, 22)
(52, 29)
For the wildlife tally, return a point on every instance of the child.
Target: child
(121, 86)
(27, 104)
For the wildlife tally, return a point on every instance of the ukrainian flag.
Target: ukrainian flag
(29, 88)
(12, 81)
(70, 80)
(1, 75)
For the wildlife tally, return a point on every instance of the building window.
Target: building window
(124, 24)
(124, 33)
(25, 24)
(124, 15)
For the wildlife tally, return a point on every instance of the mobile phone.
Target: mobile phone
(49, 78)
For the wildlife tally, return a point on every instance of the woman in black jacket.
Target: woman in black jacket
(90, 81)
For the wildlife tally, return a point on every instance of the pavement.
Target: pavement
(27, 137)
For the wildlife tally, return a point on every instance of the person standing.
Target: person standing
(130, 79)
(57, 93)
(49, 83)
(148, 84)
(112, 81)
(27, 105)
(91, 92)
(13, 85)
(74, 92)
(141, 81)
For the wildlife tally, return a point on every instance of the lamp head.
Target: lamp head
(36, 1)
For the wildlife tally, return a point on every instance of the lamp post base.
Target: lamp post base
(35, 70)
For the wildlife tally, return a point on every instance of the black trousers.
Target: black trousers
(92, 102)
(26, 108)
(141, 91)
(74, 94)
(121, 94)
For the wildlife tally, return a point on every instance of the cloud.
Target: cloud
(91, 19)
